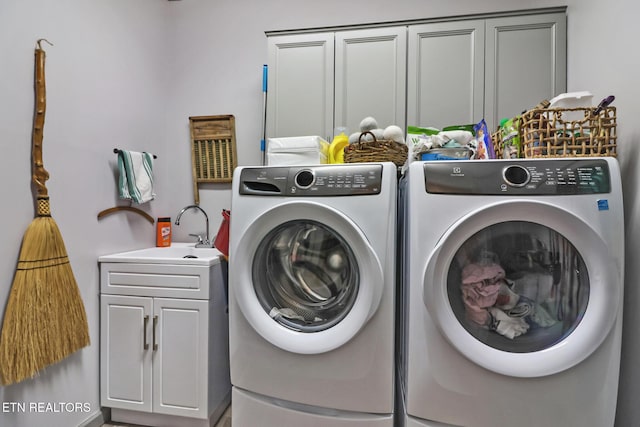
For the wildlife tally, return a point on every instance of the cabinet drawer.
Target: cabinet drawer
(173, 281)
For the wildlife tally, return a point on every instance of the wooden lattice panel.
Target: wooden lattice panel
(213, 150)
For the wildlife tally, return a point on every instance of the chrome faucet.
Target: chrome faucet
(202, 242)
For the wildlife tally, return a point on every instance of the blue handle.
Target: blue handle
(264, 78)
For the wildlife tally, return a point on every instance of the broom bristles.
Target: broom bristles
(45, 320)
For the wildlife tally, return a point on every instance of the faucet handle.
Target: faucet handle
(202, 243)
(200, 239)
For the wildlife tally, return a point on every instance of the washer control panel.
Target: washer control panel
(512, 177)
(331, 180)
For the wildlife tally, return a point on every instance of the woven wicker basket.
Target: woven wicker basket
(498, 147)
(378, 150)
(553, 133)
(546, 133)
(498, 144)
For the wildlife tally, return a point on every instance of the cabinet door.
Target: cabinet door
(525, 63)
(125, 367)
(181, 360)
(445, 75)
(300, 85)
(370, 77)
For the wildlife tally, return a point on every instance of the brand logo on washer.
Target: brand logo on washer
(457, 171)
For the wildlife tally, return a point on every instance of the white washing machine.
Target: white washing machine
(513, 288)
(312, 295)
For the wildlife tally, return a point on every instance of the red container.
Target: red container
(221, 241)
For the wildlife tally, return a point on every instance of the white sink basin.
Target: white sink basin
(177, 253)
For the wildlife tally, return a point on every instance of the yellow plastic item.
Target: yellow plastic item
(336, 149)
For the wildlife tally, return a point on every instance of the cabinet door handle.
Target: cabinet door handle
(155, 323)
(145, 344)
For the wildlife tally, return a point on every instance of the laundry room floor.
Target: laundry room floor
(224, 421)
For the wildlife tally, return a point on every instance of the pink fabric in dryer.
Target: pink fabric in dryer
(480, 289)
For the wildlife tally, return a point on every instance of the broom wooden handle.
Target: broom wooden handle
(40, 174)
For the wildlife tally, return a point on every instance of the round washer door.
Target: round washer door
(307, 279)
(519, 297)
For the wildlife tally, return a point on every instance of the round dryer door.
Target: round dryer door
(309, 279)
(518, 297)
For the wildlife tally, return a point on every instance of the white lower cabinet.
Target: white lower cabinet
(163, 358)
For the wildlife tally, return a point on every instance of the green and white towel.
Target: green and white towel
(136, 176)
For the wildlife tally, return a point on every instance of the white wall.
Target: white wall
(105, 89)
(129, 74)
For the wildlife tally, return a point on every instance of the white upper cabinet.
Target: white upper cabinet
(300, 85)
(320, 81)
(526, 62)
(445, 73)
(462, 71)
(370, 77)
(450, 72)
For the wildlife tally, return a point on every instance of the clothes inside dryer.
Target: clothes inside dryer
(518, 286)
(305, 276)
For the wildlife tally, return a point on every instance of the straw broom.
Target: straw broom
(44, 320)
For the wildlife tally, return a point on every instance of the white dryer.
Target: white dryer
(312, 295)
(513, 288)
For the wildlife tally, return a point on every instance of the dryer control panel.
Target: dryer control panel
(513, 177)
(310, 181)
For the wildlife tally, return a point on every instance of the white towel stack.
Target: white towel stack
(136, 176)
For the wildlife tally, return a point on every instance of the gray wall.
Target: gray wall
(128, 74)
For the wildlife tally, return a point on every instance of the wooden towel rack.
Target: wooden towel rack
(126, 208)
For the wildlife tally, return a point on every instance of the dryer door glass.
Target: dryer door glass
(305, 276)
(518, 286)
